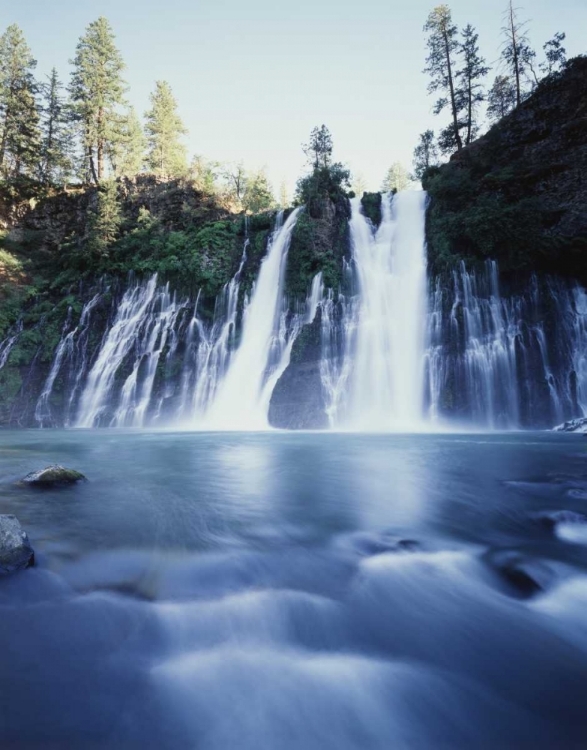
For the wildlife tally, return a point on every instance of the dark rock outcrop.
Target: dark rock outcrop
(53, 476)
(518, 193)
(16, 552)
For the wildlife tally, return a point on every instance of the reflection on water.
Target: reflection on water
(297, 591)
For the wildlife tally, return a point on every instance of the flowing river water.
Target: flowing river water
(297, 590)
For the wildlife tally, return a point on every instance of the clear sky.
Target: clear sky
(252, 77)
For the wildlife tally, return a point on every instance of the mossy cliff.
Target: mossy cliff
(519, 193)
(49, 264)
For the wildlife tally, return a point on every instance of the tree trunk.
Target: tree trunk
(92, 165)
(453, 103)
(100, 145)
(515, 56)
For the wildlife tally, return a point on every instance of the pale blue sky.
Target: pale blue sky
(252, 77)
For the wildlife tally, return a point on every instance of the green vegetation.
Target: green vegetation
(167, 155)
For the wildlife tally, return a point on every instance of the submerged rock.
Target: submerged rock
(523, 576)
(573, 425)
(16, 552)
(53, 476)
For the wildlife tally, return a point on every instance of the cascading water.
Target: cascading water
(145, 317)
(491, 359)
(8, 343)
(506, 362)
(377, 382)
(242, 398)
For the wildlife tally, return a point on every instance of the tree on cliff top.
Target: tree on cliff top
(470, 89)
(97, 92)
(501, 99)
(127, 152)
(443, 45)
(425, 154)
(327, 179)
(19, 118)
(56, 155)
(167, 155)
(516, 52)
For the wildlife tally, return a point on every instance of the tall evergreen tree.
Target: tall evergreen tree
(516, 52)
(167, 155)
(501, 98)
(55, 162)
(425, 154)
(470, 76)
(396, 179)
(19, 117)
(127, 154)
(443, 45)
(97, 92)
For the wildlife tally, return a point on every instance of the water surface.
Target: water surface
(287, 590)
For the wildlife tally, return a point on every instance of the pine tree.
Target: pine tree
(127, 154)
(19, 116)
(470, 90)
(104, 219)
(396, 179)
(425, 154)
(258, 195)
(97, 92)
(443, 45)
(516, 52)
(556, 54)
(501, 98)
(167, 155)
(56, 153)
(318, 150)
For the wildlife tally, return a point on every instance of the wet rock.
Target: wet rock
(16, 552)
(522, 575)
(53, 476)
(573, 425)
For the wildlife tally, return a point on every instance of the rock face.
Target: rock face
(53, 476)
(518, 193)
(16, 552)
(297, 402)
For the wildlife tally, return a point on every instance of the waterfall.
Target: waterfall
(242, 398)
(135, 340)
(208, 352)
(373, 343)
(505, 362)
(8, 343)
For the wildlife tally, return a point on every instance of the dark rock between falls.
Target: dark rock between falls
(53, 476)
(16, 552)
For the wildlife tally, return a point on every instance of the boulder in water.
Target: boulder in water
(16, 552)
(523, 576)
(53, 476)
